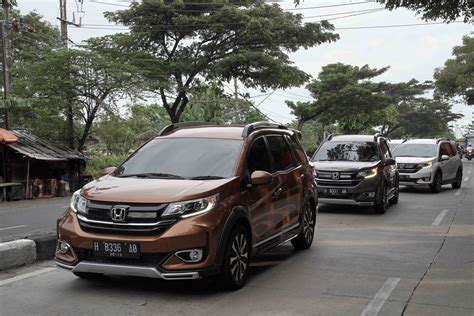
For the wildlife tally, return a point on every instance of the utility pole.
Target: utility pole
(64, 22)
(5, 58)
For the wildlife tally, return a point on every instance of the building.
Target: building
(31, 167)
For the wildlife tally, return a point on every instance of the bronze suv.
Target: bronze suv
(195, 201)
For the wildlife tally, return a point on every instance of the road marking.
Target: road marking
(440, 217)
(26, 275)
(11, 227)
(458, 192)
(379, 299)
(466, 178)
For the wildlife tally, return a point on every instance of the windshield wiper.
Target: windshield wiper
(151, 175)
(206, 178)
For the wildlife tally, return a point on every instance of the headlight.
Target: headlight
(191, 208)
(424, 165)
(78, 203)
(370, 173)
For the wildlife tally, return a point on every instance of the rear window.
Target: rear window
(415, 150)
(280, 152)
(347, 151)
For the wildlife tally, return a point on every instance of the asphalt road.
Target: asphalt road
(23, 218)
(417, 259)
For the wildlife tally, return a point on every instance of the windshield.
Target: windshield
(415, 150)
(348, 151)
(188, 158)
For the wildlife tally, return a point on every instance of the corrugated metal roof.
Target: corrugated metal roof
(36, 148)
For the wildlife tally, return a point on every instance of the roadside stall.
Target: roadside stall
(33, 168)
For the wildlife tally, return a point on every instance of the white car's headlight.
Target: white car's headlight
(427, 164)
(78, 203)
(190, 208)
(369, 173)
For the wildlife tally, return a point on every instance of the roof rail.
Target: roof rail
(169, 128)
(442, 139)
(376, 136)
(332, 135)
(252, 127)
(297, 132)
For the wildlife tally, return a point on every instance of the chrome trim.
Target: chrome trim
(62, 241)
(276, 235)
(84, 219)
(292, 237)
(177, 254)
(63, 265)
(344, 202)
(129, 270)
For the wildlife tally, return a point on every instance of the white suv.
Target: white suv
(428, 163)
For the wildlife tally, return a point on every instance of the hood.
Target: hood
(343, 165)
(413, 159)
(139, 190)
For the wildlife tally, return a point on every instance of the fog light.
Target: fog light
(63, 246)
(370, 194)
(191, 255)
(426, 179)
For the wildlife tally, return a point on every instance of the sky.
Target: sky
(410, 51)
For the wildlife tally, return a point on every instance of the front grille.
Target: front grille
(141, 219)
(151, 259)
(336, 178)
(408, 168)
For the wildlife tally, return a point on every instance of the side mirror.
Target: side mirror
(390, 162)
(444, 157)
(260, 177)
(107, 171)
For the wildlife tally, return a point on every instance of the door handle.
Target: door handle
(277, 192)
(302, 177)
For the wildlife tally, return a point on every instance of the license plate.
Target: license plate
(402, 177)
(332, 191)
(116, 249)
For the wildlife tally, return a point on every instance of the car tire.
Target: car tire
(382, 204)
(436, 186)
(308, 223)
(88, 275)
(394, 199)
(457, 183)
(236, 259)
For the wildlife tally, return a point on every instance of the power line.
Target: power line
(340, 13)
(329, 6)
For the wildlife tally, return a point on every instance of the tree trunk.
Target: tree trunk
(70, 125)
(300, 124)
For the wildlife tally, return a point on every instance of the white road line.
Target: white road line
(458, 192)
(26, 275)
(11, 227)
(440, 217)
(466, 178)
(379, 299)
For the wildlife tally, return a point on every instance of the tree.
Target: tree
(187, 43)
(88, 80)
(448, 10)
(456, 79)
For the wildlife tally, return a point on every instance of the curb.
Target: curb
(25, 251)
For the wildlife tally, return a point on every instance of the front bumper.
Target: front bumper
(127, 270)
(363, 194)
(421, 178)
(344, 202)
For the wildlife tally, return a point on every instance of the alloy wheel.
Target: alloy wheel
(308, 224)
(239, 257)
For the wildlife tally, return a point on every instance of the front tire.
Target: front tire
(382, 204)
(306, 235)
(394, 199)
(436, 186)
(236, 259)
(457, 183)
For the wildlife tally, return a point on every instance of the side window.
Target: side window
(298, 151)
(445, 149)
(257, 158)
(280, 152)
(454, 151)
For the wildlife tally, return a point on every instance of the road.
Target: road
(417, 259)
(23, 218)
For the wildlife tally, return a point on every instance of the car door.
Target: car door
(391, 170)
(260, 198)
(287, 198)
(447, 166)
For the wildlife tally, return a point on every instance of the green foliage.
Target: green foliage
(179, 44)
(448, 10)
(456, 79)
(100, 161)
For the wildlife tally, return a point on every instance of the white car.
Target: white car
(428, 163)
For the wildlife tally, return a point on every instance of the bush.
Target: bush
(100, 161)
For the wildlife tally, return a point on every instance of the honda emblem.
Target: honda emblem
(335, 175)
(119, 213)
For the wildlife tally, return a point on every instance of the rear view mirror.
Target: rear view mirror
(260, 177)
(444, 157)
(107, 171)
(390, 162)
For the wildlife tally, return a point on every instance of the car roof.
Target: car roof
(396, 141)
(353, 138)
(422, 141)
